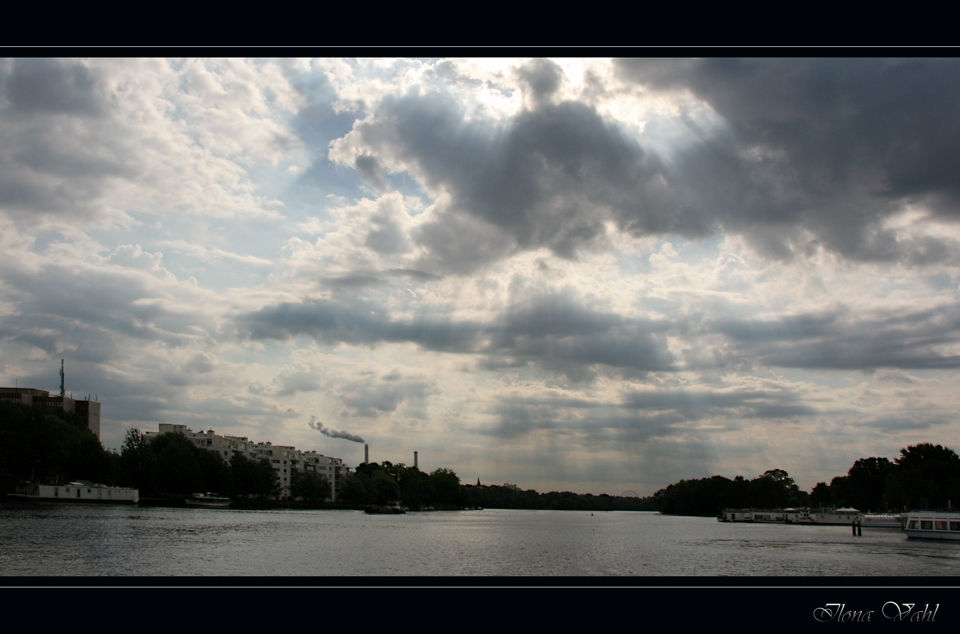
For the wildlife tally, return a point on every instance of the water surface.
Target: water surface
(77, 540)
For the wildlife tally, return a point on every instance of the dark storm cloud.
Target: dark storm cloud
(833, 147)
(59, 150)
(363, 279)
(548, 177)
(386, 236)
(360, 323)
(830, 145)
(52, 86)
(693, 405)
(907, 421)
(542, 77)
(61, 300)
(556, 333)
(519, 416)
(421, 276)
(551, 331)
(640, 415)
(372, 397)
(353, 280)
(841, 341)
(562, 336)
(369, 169)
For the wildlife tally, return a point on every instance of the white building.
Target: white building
(285, 460)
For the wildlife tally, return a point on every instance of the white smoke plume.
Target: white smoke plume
(332, 433)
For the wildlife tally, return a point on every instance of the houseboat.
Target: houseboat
(883, 520)
(836, 517)
(765, 516)
(933, 525)
(81, 491)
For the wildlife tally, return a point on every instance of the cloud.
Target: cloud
(904, 339)
(211, 255)
(103, 140)
(50, 86)
(553, 332)
(549, 177)
(372, 397)
(833, 147)
(357, 323)
(570, 274)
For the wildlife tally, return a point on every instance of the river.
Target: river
(42, 540)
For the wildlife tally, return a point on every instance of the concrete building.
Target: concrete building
(88, 410)
(285, 460)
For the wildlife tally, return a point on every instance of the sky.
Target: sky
(588, 275)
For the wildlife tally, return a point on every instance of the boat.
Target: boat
(836, 517)
(78, 491)
(207, 501)
(933, 525)
(882, 520)
(390, 509)
(765, 516)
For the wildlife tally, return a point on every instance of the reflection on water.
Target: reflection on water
(74, 540)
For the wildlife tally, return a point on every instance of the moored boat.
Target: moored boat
(836, 517)
(207, 501)
(882, 520)
(393, 508)
(943, 525)
(765, 516)
(80, 491)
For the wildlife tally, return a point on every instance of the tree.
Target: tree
(775, 489)
(866, 482)
(178, 469)
(136, 461)
(930, 475)
(309, 486)
(353, 489)
(384, 489)
(267, 480)
(446, 487)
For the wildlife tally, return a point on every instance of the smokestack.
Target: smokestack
(62, 394)
(415, 460)
(366, 454)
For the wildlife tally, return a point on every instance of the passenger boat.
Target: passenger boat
(933, 525)
(207, 501)
(80, 491)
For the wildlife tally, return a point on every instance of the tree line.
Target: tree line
(170, 464)
(925, 476)
(55, 447)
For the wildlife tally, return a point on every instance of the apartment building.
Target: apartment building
(88, 410)
(284, 460)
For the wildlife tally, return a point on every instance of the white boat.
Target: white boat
(207, 501)
(836, 517)
(765, 516)
(81, 491)
(882, 520)
(933, 525)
